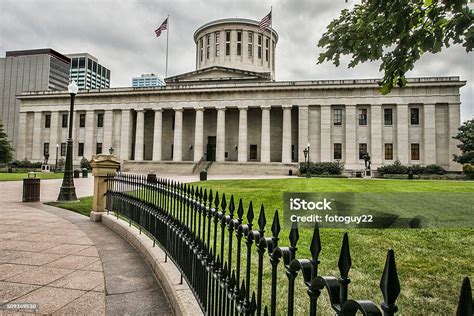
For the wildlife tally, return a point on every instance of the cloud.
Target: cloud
(120, 34)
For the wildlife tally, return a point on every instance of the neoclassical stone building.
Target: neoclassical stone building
(231, 110)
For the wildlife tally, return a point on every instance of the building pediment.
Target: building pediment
(218, 74)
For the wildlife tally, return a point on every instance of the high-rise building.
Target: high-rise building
(28, 70)
(87, 72)
(147, 80)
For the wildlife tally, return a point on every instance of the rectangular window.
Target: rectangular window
(63, 149)
(82, 62)
(172, 123)
(239, 43)
(74, 63)
(80, 149)
(208, 46)
(362, 150)
(201, 49)
(250, 45)
(82, 120)
(227, 43)
(47, 121)
(362, 116)
(337, 151)
(46, 149)
(415, 151)
(100, 120)
(218, 46)
(89, 64)
(267, 49)
(64, 118)
(259, 47)
(415, 116)
(388, 151)
(98, 148)
(388, 116)
(253, 152)
(337, 117)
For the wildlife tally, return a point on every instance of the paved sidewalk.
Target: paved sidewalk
(67, 264)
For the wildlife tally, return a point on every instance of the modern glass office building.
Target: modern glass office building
(87, 72)
(147, 80)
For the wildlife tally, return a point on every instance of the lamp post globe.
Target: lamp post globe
(67, 192)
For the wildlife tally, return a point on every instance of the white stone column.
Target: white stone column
(325, 133)
(454, 123)
(220, 135)
(376, 135)
(89, 143)
(37, 153)
(351, 139)
(199, 134)
(265, 135)
(286, 138)
(108, 131)
(22, 137)
(178, 135)
(242, 146)
(303, 130)
(429, 134)
(157, 134)
(139, 134)
(402, 133)
(125, 135)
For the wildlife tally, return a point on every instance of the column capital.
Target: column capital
(199, 108)
(178, 109)
(454, 103)
(265, 107)
(220, 108)
(243, 107)
(158, 110)
(286, 106)
(139, 110)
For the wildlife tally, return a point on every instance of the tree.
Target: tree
(6, 149)
(466, 137)
(397, 32)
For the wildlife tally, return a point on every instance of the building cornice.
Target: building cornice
(236, 87)
(233, 21)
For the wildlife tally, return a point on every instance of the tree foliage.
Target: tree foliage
(397, 32)
(6, 149)
(466, 137)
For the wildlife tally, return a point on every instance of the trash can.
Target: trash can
(31, 188)
(77, 172)
(410, 175)
(290, 172)
(151, 178)
(85, 172)
(203, 175)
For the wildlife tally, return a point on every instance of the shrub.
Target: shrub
(416, 169)
(323, 168)
(468, 170)
(26, 164)
(85, 163)
(395, 168)
(434, 169)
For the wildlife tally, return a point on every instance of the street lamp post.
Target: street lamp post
(56, 162)
(68, 191)
(306, 158)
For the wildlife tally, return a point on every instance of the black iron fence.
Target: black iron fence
(233, 265)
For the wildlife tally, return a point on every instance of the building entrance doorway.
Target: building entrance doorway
(211, 148)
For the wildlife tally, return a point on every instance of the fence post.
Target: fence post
(102, 165)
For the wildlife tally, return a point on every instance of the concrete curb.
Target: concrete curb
(181, 297)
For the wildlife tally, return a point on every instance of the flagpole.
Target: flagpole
(271, 43)
(167, 37)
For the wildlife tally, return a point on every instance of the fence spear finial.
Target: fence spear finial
(390, 285)
(465, 299)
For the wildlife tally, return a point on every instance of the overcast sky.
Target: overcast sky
(120, 34)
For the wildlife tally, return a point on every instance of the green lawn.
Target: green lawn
(84, 206)
(431, 262)
(20, 176)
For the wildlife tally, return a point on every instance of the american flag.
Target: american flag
(265, 22)
(162, 27)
